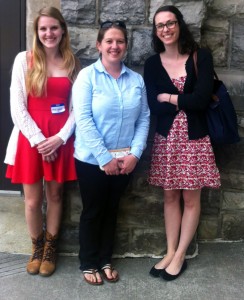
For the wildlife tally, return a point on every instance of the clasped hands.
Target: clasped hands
(120, 166)
(48, 148)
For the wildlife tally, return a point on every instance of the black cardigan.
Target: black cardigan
(194, 100)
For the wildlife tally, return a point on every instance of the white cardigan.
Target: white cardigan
(21, 118)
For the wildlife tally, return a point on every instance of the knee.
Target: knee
(171, 197)
(54, 198)
(33, 205)
(191, 202)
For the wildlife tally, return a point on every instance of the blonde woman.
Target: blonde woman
(41, 145)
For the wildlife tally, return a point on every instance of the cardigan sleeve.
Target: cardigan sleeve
(69, 126)
(201, 93)
(18, 102)
(156, 81)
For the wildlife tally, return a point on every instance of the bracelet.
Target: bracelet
(170, 97)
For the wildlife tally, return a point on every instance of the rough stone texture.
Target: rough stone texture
(140, 43)
(133, 12)
(217, 24)
(83, 42)
(208, 228)
(232, 225)
(233, 200)
(237, 58)
(79, 12)
(218, 42)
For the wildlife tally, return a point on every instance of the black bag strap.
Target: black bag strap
(195, 61)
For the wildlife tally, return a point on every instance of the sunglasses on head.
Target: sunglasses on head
(108, 24)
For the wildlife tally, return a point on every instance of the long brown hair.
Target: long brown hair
(37, 71)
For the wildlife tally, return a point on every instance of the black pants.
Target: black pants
(100, 194)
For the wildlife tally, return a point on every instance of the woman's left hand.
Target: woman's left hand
(50, 158)
(50, 145)
(127, 164)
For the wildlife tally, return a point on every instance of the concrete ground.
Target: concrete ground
(217, 273)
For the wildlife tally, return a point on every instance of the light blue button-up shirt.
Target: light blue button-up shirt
(109, 113)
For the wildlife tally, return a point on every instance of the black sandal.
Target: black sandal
(109, 267)
(93, 272)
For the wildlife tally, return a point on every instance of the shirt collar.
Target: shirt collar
(100, 67)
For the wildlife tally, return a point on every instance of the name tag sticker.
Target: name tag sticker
(57, 108)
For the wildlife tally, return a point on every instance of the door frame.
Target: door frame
(12, 41)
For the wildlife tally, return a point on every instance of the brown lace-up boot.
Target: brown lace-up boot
(48, 264)
(35, 260)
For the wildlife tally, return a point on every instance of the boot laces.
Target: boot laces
(50, 251)
(38, 250)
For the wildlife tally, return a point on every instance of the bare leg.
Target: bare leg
(172, 217)
(190, 219)
(33, 208)
(54, 192)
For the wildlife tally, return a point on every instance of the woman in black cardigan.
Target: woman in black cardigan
(182, 156)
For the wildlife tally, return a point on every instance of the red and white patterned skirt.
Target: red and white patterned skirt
(180, 163)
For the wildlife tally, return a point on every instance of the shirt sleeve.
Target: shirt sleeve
(85, 125)
(139, 141)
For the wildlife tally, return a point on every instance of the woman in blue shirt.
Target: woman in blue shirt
(111, 113)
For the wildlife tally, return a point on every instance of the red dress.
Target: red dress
(180, 163)
(29, 166)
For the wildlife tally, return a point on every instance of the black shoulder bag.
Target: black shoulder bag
(221, 115)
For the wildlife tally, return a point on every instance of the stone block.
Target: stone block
(148, 242)
(141, 46)
(233, 225)
(226, 9)
(133, 12)
(216, 25)
(194, 12)
(237, 47)
(210, 201)
(72, 203)
(233, 200)
(232, 181)
(234, 81)
(122, 244)
(218, 43)
(83, 42)
(79, 11)
(136, 205)
(208, 228)
(68, 239)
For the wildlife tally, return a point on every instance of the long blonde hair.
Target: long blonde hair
(37, 69)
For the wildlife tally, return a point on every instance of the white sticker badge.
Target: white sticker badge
(57, 108)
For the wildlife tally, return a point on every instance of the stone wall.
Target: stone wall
(216, 24)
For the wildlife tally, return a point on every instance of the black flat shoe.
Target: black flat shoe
(155, 272)
(169, 277)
